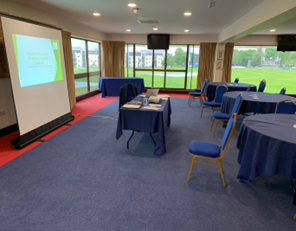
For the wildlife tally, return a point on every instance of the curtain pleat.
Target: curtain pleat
(207, 54)
(113, 53)
(69, 67)
(227, 63)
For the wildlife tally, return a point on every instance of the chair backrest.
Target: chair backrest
(285, 107)
(237, 104)
(236, 80)
(204, 87)
(127, 93)
(262, 85)
(228, 132)
(283, 91)
(220, 90)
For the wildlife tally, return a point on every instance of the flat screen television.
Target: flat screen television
(158, 41)
(286, 43)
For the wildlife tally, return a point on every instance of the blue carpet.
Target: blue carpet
(85, 179)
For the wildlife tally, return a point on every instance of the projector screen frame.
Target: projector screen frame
(65, 117)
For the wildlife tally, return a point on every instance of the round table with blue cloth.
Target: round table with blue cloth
(267, 146)
(256, 102)
(211, 88)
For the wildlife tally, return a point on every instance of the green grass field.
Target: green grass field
(276, 79)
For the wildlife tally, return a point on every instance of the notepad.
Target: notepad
(132, 105)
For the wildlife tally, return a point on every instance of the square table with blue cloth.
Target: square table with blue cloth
(143, 120)
(211, 88)
(111, 86)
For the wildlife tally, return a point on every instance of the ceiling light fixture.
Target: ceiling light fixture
(272, 30)
(128, 30)
(96, 14)
(211, 4)
(132, 5)
(187, 13)
(186, 31)
(155, 28)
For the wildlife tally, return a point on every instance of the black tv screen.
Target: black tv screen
(158, 41)
(286, 43)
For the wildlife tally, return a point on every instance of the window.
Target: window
(252, 64)
(87, 68)
(175, 68)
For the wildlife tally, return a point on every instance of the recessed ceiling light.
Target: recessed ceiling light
(132, 5)
(272, 30)
(187, 13)
(186, 31)
(128, 30)
(96, 14)
(155, 28)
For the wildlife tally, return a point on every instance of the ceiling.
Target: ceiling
(115, 16)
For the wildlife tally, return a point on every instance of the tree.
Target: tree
(285, 58)
(270, 53)
(180, 58)
(256, 61)
(244, 56)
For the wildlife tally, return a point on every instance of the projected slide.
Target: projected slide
(38, 60)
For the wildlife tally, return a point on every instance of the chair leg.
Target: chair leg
(222, 172)
(191, 167)
(216, 127)
(212, 123)
(130, 139)
(202, 111)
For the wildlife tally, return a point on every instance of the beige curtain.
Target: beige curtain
(113, 56)
(69, 67)
(227, 63)
(207, 54)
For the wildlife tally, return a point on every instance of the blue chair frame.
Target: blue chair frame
(285, 107)
(224, 117)
(283, 91)
(216, 103)
(212, 152)
(262, 85)
(201, 94)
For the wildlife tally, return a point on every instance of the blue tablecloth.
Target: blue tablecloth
(211, 88)
(263, 103)
(111, 86)
(267, 146)
(146, 121)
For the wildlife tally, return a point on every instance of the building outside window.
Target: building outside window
(87, 65)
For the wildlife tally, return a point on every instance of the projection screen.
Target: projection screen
(38, 78)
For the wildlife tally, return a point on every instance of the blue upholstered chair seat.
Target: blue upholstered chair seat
(221, 116)
(195, 94)
(197, 90)
(212, 104)
(204, 149)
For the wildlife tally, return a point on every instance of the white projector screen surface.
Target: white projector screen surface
(37, 57)
(37, 72)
